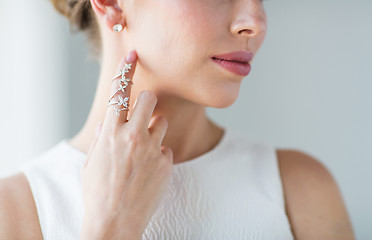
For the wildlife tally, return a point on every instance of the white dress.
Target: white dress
(232, 192)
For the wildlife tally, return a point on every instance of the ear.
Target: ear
(109, 11)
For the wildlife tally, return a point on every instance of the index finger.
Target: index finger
(118, 103)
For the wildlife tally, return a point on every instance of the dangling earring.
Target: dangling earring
(117, 27)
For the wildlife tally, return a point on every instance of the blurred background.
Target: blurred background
(309, 88)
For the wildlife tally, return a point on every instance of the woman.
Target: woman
(160, 168)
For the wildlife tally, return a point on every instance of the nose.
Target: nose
(250, 20)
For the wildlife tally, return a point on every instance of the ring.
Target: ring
(125, 81)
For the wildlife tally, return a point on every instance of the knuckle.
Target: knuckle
(133, 136)
(168, 155)
(149, 95)
(164, 120)
(161, 120)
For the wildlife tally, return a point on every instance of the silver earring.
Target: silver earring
(125, 81)
(117, 27)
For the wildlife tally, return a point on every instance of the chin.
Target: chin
(222, 101)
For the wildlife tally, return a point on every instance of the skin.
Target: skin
(183, 77)
(175, 65)
(314, 204)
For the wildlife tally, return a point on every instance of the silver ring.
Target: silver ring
(123, 84)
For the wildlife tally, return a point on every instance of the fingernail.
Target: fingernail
(131, 57)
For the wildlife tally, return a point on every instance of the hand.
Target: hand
(127, 170)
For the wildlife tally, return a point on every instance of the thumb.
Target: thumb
(94, 141)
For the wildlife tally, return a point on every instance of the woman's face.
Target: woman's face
(175, 40)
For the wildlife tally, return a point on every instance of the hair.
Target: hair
(82, 19)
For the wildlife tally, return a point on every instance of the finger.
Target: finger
(158, 128)
(143, 110)
(118, 103)
(167, 151)
(94, 142)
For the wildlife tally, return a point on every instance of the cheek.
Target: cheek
(178, 39)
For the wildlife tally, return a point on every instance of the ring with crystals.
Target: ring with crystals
(123, 83)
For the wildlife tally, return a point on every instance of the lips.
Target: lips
(239, 56)
(235, 62)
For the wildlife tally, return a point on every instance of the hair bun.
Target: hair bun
(78, 12)
(64, 6)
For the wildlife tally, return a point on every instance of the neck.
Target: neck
(190, 133)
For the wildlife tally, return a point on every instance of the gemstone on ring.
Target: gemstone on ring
(125, 81)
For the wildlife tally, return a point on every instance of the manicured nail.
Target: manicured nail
(131, 56)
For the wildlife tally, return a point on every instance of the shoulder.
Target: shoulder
(18, 209)
(314, 204)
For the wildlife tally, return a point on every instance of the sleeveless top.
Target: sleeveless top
(233, 191)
